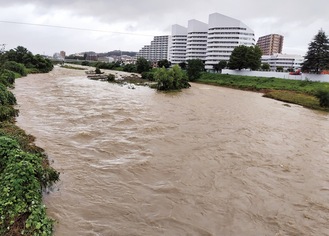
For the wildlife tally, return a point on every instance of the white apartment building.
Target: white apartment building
(212, 42)
(144, 52)
(286, 61)
(197, 35)
(177, 44)
(158, 50)
(224, 34)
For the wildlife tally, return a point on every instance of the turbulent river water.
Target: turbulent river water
(205, 161)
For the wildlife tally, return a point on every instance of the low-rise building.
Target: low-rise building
(286, 61)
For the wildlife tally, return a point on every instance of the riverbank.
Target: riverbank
(300, 92)
(24, 174)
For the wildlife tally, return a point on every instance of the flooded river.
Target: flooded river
(206, 161)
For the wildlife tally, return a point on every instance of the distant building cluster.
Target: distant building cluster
(214, 41)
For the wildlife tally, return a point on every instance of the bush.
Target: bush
(173, 79)
(7, 77)
(98, 71)
(85, 63)
(323, 96)
(111, 78)
(21, 179)
(15, 67)
(148, 75)
(130, 68)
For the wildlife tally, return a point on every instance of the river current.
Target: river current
(205, 161)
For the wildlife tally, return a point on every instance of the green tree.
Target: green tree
(194, 69)
(279, 68)
(220, 66)
(36, 62)
(317, 56)
(238, 59)
(142, 65)
(244, 57)
(164, 63)
(172, 79)
(254, 55)
(129, 68)
(265, 66)
(182, 65)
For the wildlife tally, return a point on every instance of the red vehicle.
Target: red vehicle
(297, 72)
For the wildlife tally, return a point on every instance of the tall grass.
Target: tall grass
(262, 83)
(302, 92)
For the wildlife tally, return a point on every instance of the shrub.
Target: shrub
(21, 179)
(173, 79)
(323, 96)
(130, 68)
(148, 75)
(15, 67)
(7, 77)
(85, 63)
(111, 78)
(98, 71)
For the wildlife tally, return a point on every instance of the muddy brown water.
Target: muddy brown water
(206, 161)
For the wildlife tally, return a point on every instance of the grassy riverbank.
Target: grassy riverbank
(301, 92)
(24, 170)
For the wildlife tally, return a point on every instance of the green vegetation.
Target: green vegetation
(220, 66)
(149, 75)
(164, 63)
(317, 56)
(110, 78)
(24, 168)
(20, 55)
(172, 79)
(265, 66)
(98, 71)
(323, 96)
(129, 68)
(302, 99)
(305, 93)
(142, 65)
(244, 57)
(194, 69)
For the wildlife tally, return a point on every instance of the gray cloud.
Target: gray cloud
(298, 21)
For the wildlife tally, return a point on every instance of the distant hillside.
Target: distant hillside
(117, 53)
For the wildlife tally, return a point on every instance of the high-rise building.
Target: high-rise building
(63, 54)
(212, 42)
(177, 44)
(158, 50)
(197, 35)
(224, 34)
(270, 44)
(144, 52)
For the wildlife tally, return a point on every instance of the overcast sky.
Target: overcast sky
(128, 25)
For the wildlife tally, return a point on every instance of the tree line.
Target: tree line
(24, 168)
